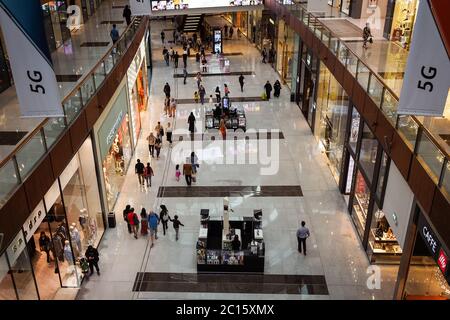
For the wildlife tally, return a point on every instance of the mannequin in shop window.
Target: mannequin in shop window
(76, 239)
(117, 153)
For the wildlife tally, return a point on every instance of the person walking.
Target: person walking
(204, 64)
(133, 220)
(175, 59)
(194, 162)
(176, 225)
(218, 94)
(231, 32)
(173, 108)
(92, 257)
(367, 35)
(167, 90)
(114, 34)
(241, 82)
(191, 122)
(169, 134)
(158, 146)
(199, 79)
(187, 172)
(172, 54)
(159, 130)
(127, 14)
(139, 170)
(163, 37)
(225, 30)
(302, 235)
(45, 244)
(125, 217)
(153, 221)
(144, 222)
(277, 89)
(151, 144)
(202, 93)
(226, 90)
(185, 75)
(264, 55)
(223, 128)
(148, 174)
(268, 88)
(185, 56)
(164, 217)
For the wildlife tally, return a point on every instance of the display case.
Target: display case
(234, 118)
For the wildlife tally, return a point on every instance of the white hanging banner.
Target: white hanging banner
(31, 66)
(140, 7)
(427, 77)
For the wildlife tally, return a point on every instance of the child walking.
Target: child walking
(196, 97)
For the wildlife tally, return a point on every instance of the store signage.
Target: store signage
(34, 221)
(158, 5)
(442, 261)
(35, 81)
(15, 248)
(140, 7)
(74, 17)
(427, 77)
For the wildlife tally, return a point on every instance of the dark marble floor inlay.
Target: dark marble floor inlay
(230, 283)
(233, 99)
(229, 191)
(235, 73)
(94, 44)
(239, 135)
(112, 22)
(11, 138)
(68, 77)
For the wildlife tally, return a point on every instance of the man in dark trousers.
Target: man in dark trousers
(302, 235)
(167, 90)
(127, 14)
(175, 59)
(185, 56)
(139, 170)
(125, 217)
(241, 82)
(185, 74)
(187, 172)
(268, 88)
(92, 258)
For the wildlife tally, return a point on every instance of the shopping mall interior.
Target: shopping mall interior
(324, 146)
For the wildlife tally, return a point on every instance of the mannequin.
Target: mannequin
(75, 236)
(68, 253)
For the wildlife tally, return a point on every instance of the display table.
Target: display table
(214, 253)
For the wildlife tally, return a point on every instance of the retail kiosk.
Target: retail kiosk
(214, 249)
(234, 116)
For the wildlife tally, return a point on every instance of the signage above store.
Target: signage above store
(426, 81)
(442, 261)
(169, 5)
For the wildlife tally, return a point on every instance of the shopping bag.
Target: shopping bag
(264, 96)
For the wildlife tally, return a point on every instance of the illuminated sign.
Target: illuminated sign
(199, 4)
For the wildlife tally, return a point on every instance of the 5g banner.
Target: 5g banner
(427, 77)
(35, 80)
(140, 7)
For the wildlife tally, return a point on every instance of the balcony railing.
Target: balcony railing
(20, 163)
(418, 138)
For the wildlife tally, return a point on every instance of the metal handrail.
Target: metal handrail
(67, 97)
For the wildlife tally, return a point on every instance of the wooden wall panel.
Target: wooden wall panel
(13, 215)
(339, 71)
(422, 184)
(439, 216)
(348, 82)
(79, 131)
(401, 154)
(358, 96)
(38, 183)
(370, 112)
(92, 111)
(61, 154)
(384, 132)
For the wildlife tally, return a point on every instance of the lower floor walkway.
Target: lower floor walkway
(290, 161)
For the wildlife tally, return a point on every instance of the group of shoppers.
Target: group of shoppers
(149, 222)
(268, 89)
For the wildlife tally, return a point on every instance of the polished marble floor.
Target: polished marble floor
(334, 250)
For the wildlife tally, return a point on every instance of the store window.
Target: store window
(7, 291)
(285, 52)
(21, 271)
(354, 129)
(403, 21)
(115, 147)
(368, 152)
(382, 175)
(361, 202)
(383, 247)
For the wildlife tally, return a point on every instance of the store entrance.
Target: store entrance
(308, 97)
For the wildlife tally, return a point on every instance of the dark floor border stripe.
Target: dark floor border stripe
(234, 73)
(233, 99)
(94, 44)
(231, 283)
(68, 77)
(229, 191)
(238, 135)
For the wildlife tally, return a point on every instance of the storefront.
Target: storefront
(114, 144)
(71, 218)
(427, 275)
(55, 23)
(137, 90)
(342, 5)
(255, 27)
(284, 52)
(400, 18)
(239, 20)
